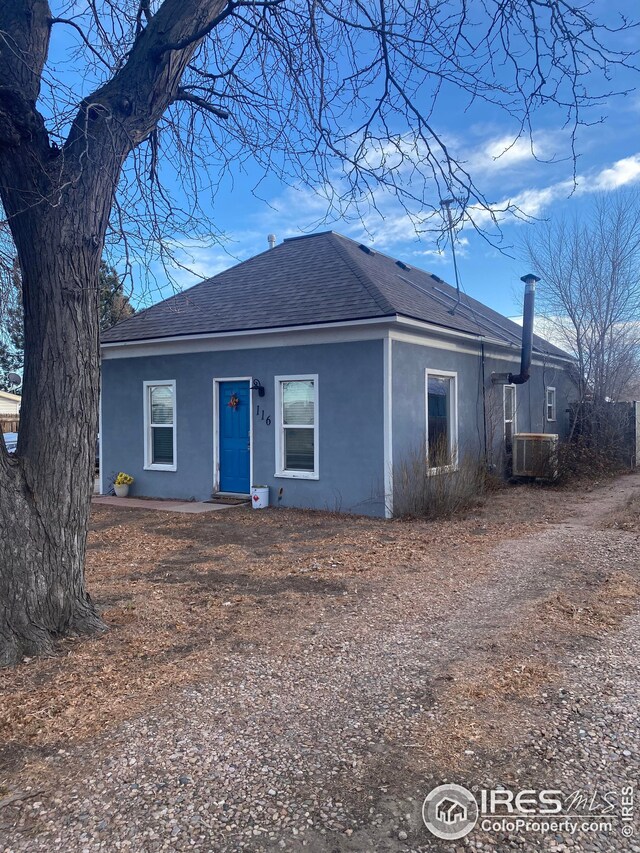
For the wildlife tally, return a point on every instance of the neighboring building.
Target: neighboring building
(362, 360)
(9, 403)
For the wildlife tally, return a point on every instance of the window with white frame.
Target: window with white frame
(160, 425)
(551, 403)
(510, 408)
(442, 419)
(297, 426)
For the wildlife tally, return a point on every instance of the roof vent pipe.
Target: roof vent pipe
(271, 240)
(530, 282)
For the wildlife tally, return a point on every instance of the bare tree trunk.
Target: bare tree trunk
(45, 498)
(58, 202)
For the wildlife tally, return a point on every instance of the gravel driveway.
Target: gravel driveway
(328, 739)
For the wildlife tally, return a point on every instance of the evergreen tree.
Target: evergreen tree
(11, 329)
(114, 304)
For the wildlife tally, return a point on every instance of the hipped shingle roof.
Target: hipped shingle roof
(320, 278)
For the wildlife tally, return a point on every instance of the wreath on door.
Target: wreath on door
(234, 402)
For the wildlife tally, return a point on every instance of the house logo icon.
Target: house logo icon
(450, 812)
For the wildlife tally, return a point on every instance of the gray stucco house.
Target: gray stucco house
(315, 368)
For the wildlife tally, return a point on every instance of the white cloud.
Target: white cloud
(386, 228)
(429, 253)
(623, 172)
(559, 330)
(535, 201)
(196, 261)
(295, 211)
(481, 153)
(385, 224)
(505, 153)
(434, 254)
(205, 261)
(556, 330)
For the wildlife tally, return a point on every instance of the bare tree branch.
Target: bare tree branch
(590, 291)
(190, 98)
(84, 38)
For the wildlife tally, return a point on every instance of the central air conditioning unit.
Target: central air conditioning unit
(535, 455)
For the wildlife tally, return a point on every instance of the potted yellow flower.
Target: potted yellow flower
(121, 484)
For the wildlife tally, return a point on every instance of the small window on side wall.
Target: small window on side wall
(510, 407)
(551, 404)
(297, 427)
(160, 426)
(442, 422)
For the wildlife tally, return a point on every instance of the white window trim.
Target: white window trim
(453, 433)
(514, 419)
(554, 405)
(148, 444)
(280, 470)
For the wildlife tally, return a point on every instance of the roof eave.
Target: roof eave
(389, 320)
(265, 330)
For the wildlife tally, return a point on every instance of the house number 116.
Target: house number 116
(260, 413)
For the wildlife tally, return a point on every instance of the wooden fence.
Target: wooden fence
(10, 423)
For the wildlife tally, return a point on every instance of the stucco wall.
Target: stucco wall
(350, 422)
(409, 362)
(530, 400)
(351, 410)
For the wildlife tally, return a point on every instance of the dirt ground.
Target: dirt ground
(176, 590)
(182, 595)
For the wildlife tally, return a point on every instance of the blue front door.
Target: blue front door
(234, 404)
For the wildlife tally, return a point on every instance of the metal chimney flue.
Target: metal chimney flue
(530, 282)
(271, 240)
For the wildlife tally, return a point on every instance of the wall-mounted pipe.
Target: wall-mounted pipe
(530, 282)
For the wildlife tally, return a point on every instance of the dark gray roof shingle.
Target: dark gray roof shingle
(321, 278)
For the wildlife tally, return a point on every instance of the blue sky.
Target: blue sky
(609, 159)
(540, 181)
(507, 168)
